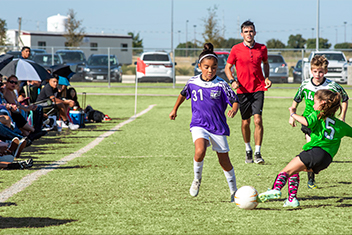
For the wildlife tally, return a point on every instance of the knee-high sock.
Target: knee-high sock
(293, 183)
(280, 181)
(198, 169)
(231, 180)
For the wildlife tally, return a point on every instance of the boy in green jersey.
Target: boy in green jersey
(326, 135)
(319, 67)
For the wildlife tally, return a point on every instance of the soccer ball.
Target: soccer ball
(246, 197)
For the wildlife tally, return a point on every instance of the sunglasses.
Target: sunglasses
(13, 82)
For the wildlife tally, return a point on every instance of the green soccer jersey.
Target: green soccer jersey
(307, 91)
(326, 134)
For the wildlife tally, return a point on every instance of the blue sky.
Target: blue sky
(152, 18)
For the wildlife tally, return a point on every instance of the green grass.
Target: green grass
(137, 180)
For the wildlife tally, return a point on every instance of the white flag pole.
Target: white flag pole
(135, 96)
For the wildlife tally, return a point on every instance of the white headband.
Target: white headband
(207, 56)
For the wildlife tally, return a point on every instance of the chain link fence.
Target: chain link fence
(185, 58)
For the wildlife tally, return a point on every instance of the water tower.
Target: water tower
(56, 23)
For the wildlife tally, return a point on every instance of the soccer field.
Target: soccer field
(136, 181)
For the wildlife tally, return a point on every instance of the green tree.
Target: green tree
(229, 43)
(323, 43)
(136, 43)
(344, 45)
(180, 49)
(296, 41)
(275, 43)
(212, 30)
(74, 32)
(3, 29)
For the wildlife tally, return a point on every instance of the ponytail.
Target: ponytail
(331, 105)
(207, 52)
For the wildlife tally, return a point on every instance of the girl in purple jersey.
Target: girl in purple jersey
(210, 96)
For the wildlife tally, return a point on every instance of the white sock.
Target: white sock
(197, 168)
(248, 146)
(231, 179)
(257, 148)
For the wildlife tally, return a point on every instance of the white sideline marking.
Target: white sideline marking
(29, 179)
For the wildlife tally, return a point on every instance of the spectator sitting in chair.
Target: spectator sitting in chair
(11, 98)
(49, 92)
(62, 92)
(9, 152)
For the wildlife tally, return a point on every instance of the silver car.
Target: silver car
(278, 68)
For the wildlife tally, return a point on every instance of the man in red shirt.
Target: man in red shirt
(250, 84)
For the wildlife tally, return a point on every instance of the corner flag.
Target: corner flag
(141, 66)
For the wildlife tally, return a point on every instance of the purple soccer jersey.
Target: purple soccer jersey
(209, 103)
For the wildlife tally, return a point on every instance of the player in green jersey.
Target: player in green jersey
(327, 132)
(319, 67)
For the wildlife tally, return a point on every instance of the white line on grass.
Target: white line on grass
(29, 179)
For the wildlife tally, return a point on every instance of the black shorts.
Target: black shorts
(18, 119)
(251, 103)
(316, 159)
(306, 130)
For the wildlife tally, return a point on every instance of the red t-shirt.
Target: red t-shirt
(248, 66)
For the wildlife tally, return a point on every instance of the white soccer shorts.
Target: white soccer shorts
(219, 142)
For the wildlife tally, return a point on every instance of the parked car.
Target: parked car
(159, 67)
(97, 68)
(278, 68)
(18, 54)
(337, 68)
(46, 60)
(297, 72)
(76, 60)
(222, 60)
(38, 51)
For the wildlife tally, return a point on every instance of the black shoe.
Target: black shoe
(29, 142)
(249, 156)
(26, 164)
(37, 135)
(258, 158)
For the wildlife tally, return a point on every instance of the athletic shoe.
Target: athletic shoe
(249, 157)
(26, 164)
(36, 135)
(294, 203)
(29, 163)
(63, 125)
(311, 184)
(13, 145)
(73, 126)
(194, 190)
(258, 158)
(106, 118)
(21, 146)
(270, 194)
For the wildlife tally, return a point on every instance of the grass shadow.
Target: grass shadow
(31, 222)
(7, 204)
(342, 161)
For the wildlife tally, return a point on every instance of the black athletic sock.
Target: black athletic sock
(311, 176)
(66, 122)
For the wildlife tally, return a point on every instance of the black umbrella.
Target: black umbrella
(5, 59)
(62, 70)
(25, 70)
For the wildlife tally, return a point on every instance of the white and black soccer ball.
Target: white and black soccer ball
(246, 197)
